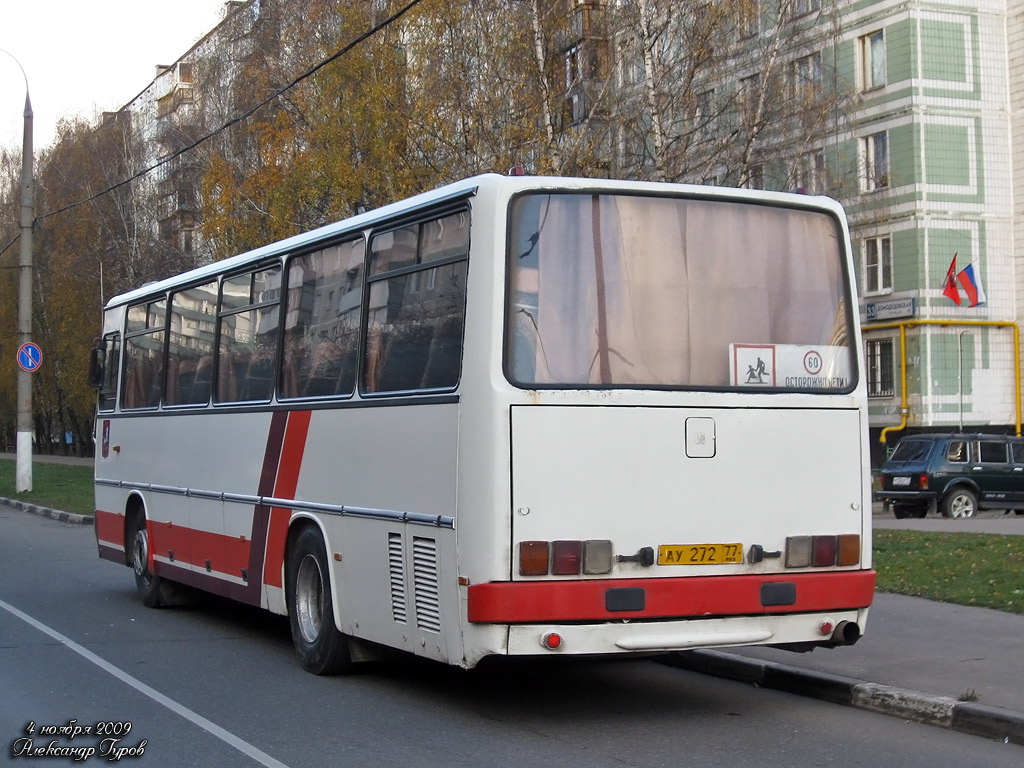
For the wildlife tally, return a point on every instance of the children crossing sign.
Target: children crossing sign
(30, 357)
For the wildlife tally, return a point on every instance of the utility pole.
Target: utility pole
(23, 482)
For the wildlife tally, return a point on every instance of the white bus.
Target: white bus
(512, 416)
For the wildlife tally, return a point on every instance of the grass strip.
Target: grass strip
(58, 486)
(963, 568)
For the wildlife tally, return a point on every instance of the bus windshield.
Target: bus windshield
(611, 290)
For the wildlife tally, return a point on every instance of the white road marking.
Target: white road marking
(228, 738)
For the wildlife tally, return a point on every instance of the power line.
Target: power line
(245, 115)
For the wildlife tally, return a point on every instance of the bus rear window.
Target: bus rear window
(633, 291)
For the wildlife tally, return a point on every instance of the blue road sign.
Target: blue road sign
(30, 357)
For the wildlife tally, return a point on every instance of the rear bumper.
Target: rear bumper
(605, 600)
(923, 496)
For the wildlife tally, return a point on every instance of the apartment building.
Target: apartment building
(904, 110)
(933, 212)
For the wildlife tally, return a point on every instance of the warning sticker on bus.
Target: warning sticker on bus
(789, 366)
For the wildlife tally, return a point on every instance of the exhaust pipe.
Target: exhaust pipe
(846, 633)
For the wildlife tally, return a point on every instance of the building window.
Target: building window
(871, 49)
(874, 151)
(881, 376)
(749, 96)
(573, 65)
(807, 79)
(753, 177)
(811, 175)
(803, 7)
(631, 64)
(750, 18)
(878, 264)
(704, 114)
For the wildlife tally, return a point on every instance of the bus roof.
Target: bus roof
(465, 188)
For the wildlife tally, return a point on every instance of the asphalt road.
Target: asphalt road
(216, 684)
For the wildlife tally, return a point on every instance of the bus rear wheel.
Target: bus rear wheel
(322, 649)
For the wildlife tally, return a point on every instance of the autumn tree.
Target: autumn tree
(10, 195)
(321, 149)
(733, 92)
(85, 235)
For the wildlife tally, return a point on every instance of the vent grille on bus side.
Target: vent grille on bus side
(397, 569)
(425, 584)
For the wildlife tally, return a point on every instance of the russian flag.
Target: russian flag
(970, 281)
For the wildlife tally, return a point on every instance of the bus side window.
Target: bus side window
(417, 302)
(322, 314)
(190, 342)
(144, 355)
(248, 330)
(110, 349)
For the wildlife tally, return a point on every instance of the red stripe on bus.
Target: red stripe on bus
(168, 540)
(227, 554)
(109, 528)
(261, 515)
(665, 598)
(287, 482)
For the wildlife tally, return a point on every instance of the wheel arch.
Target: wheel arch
(958, 484)
(296, 526)
(134, 515)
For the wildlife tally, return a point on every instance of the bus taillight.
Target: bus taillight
(822, 551)
(533, 558)
(568, 558)
(565, 557)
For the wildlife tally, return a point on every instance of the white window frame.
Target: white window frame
(806, 78)
(871, 71)
(877, 255)
(750, 18)
(874, 155)
(804, 7)
(812, 172)
(703, 114)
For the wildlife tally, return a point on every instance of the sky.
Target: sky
(86, 57)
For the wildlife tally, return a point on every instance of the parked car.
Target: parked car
(956, 474)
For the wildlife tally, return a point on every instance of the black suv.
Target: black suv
(954, 473)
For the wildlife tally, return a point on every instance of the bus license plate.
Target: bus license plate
(700, 554)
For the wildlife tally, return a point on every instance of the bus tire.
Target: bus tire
(147, 583)
(322, 649)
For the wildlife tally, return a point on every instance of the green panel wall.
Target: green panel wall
(900, 50)
(907, 247)
(947, 154)
(904, 157)
(943, 51)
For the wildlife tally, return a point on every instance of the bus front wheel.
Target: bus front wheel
(322, 649)
(147, 582)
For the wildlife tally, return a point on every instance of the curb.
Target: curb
(964, 717)
(55, 514)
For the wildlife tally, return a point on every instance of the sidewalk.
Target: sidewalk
(948, 665)
(917, 660)
(44, 458)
